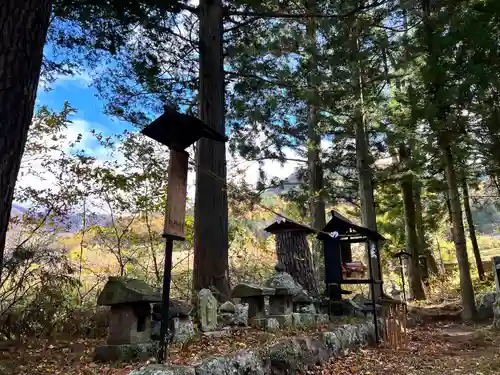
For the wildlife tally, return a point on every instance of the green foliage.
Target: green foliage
(411, 83)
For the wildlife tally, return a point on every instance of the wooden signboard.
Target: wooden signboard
(176, 194)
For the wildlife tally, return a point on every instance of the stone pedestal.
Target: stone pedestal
(280, 305)
(129, 324)
(496, 313)
(254, 297)
(183, 329)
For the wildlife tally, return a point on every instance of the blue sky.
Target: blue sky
(77, 90)
(90, 109)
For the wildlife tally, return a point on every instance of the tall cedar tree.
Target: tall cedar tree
(23, 30)
(314, 162)
(412, 243)
(211, 211)
(436, 82)
(365, 174)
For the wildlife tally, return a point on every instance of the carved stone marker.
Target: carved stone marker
(207, 310)
(496, 271)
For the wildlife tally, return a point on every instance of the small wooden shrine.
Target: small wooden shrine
(337, 236)
(292, 250)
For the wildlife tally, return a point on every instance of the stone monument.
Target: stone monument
(496, 305)
(207, 310)
(181, 325)
(253, 296)
(281, 303)
(129, 334)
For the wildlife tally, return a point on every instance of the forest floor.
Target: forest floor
(438, 348)
(434, 349)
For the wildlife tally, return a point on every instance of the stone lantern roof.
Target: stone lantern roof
(122, 290)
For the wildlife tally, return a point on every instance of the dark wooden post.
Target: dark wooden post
(177, 131)
(333, 268)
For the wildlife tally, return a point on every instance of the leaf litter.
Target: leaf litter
(437, 349)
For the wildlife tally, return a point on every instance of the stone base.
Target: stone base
(272, 322)
(309, 320)
(322, 319)
(293, 320)
(260, 323)
(214, 334)
(285, 321)
(183, 330)
(291, 355)
(164, 370)
(114, 353)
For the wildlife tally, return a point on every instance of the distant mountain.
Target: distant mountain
(71, 223)
(17, 210)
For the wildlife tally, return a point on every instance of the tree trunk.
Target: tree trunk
(412, 243)
(211, 215)
(441, 263)
(422, 242)
(315, 167)
(292, 250)
(368, 214)
(472, 229)
(466, 289)
(23, 31)
(435, 83)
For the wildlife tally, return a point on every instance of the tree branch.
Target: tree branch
(240, 24)
(255, 76)
(189, 8)
(271, 14)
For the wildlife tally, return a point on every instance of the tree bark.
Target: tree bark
(439, 122)
(412, 242)
(422, 241)
(315, 167)
(23, 29)
(292, 250)
(211, 208)
(466, 289)
(472, 230)
(368, 215)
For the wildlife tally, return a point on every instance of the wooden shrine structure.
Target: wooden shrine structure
(292, 250)
(337, 236)
(340, 269)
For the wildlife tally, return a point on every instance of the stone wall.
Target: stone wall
(286, 357)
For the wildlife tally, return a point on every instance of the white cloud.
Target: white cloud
(81, 79)
(237, 167)
(77, 127)
(44, 179)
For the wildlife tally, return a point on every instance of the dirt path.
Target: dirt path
(438, 349)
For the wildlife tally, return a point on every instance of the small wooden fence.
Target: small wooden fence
(394, 316)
